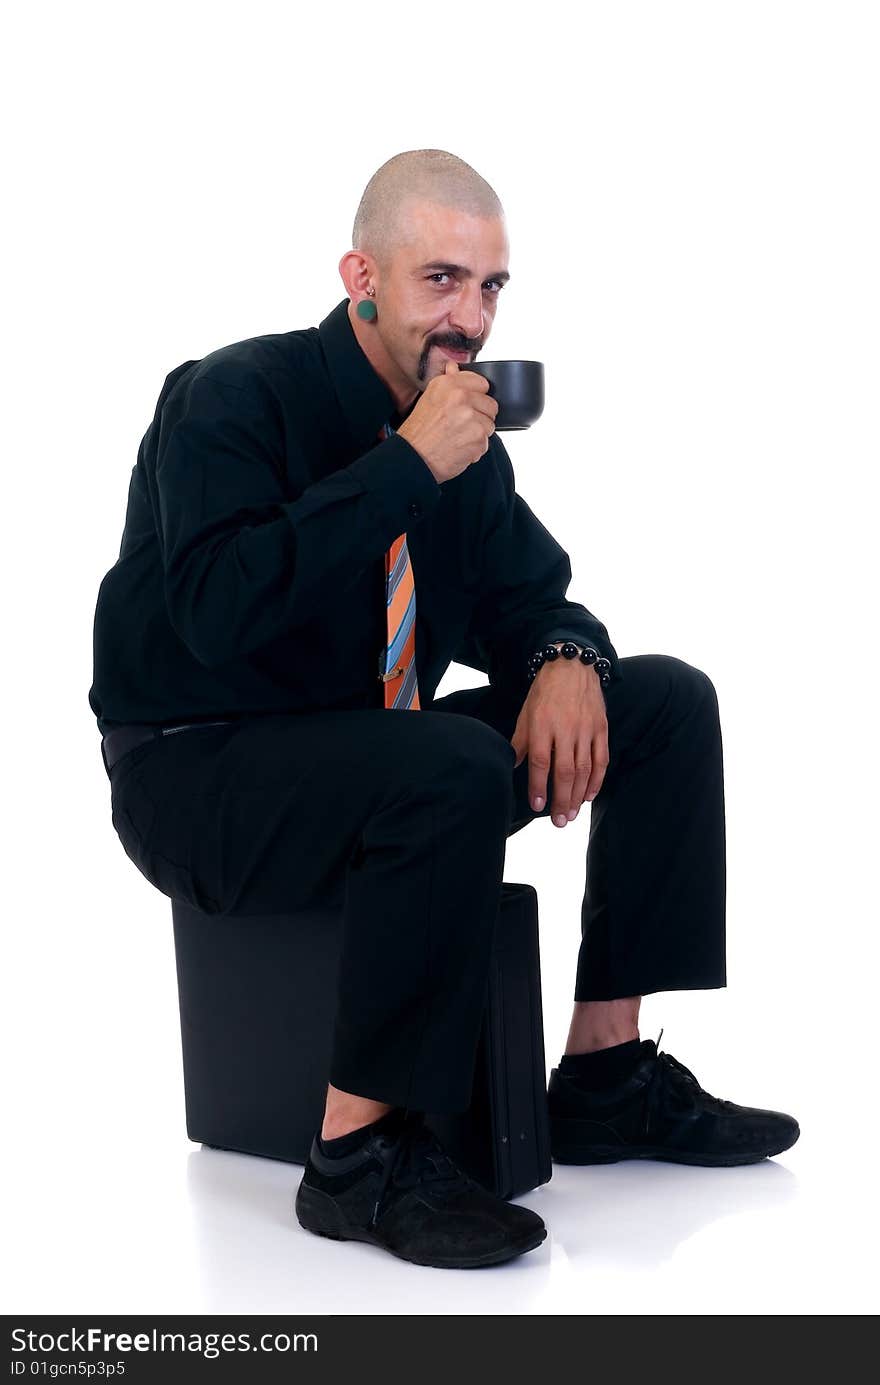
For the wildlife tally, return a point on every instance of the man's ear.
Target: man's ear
(357, 272)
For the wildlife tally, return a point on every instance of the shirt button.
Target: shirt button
(415, 510)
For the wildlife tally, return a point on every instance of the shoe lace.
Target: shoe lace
(670, 1086)
(418, 1157)
(673, 1086)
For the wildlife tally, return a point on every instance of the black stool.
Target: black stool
(256, 1015)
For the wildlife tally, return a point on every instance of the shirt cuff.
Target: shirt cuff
(400, 482)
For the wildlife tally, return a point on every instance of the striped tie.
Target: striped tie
(398, 659)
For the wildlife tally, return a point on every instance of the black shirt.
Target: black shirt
(251, 573)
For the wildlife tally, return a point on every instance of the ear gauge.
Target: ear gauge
(366, 309)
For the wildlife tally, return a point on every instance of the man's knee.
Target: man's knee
(690, 682)
(472, 751)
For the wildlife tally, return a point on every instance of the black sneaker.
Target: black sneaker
(660, 1112)
(401, 1191)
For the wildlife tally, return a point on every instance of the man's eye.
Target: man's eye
(442, 274)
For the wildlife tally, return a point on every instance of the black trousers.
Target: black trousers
(402, 818)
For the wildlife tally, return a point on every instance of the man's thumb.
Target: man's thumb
(450, 366)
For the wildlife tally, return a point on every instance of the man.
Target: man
(318, 523)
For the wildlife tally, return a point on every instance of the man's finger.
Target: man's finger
(583, 761)
(600, 764)
(563, 782)
(539, 768)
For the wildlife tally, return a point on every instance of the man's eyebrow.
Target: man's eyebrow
(461, 269)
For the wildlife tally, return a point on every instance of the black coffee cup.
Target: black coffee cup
(518, 387)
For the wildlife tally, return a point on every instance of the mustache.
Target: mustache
(457, 343)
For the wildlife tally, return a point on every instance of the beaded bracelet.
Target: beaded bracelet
(570, 650)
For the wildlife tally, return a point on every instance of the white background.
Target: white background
(692, 201)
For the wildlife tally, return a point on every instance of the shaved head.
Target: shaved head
(381, 224)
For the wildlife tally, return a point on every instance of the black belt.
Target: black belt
(122, 739)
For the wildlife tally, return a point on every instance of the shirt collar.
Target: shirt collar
(364, 398)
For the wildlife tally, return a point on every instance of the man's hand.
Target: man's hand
(452, 422)
(563, 716)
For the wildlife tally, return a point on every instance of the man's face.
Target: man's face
(440, 293)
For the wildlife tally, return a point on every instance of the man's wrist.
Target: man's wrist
(569, 651)
(578, 661)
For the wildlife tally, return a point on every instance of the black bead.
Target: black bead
(550, 652)
(569, 650)
(603, 665)
(536, 659)
(531, 674)
(588, 655)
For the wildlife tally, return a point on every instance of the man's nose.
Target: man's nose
(467, 315)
